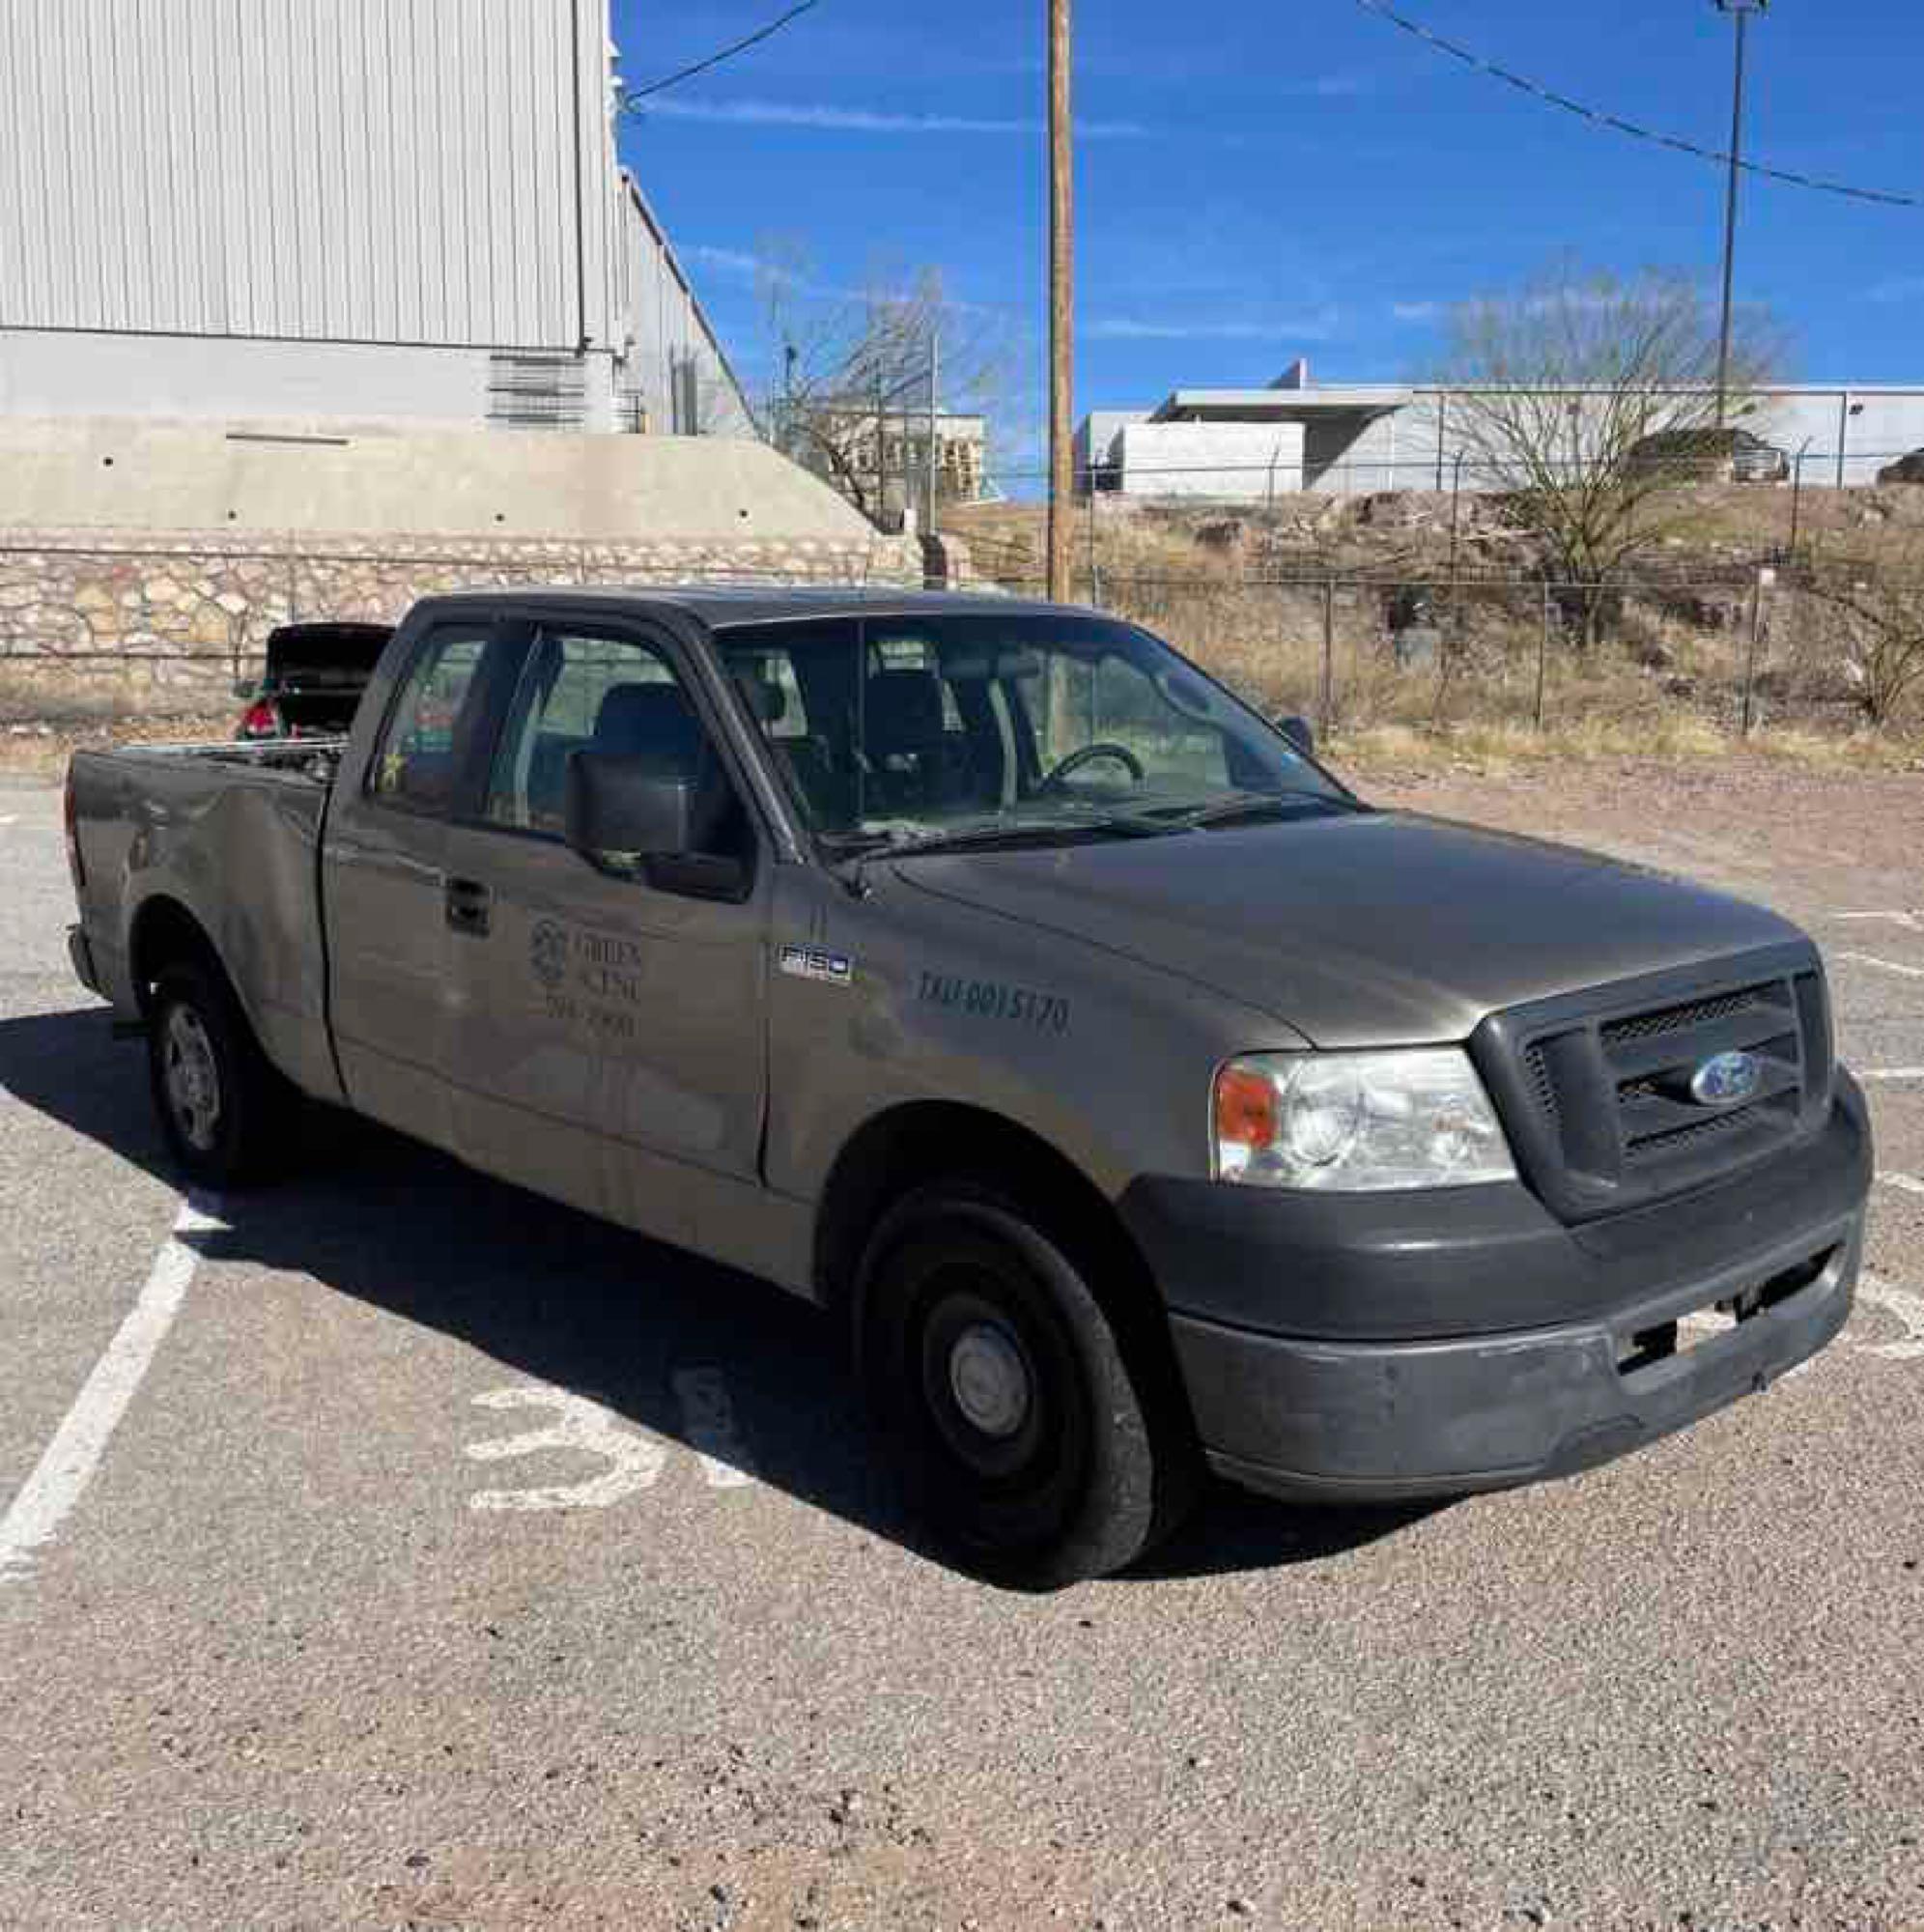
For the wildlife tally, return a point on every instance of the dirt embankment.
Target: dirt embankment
(1416, 612)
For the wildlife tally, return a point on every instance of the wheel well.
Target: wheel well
(164, 931)
(927, 1141)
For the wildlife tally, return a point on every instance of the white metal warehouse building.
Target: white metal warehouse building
(377, 212)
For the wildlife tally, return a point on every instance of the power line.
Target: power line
(1597, 118)
(633, 93)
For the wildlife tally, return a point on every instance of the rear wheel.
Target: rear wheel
(1039, 1447)
(223, 1109)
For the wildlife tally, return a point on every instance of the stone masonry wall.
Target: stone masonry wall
(93, 625)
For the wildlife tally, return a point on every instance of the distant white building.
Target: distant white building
(1249, 446)
(368, 212)
(880, 457)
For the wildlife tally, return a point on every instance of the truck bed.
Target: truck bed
(314, 759)
(228, 833)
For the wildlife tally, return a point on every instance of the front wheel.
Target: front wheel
(222, 1107)
(1038, 1448)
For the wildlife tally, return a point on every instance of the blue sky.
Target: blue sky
(1264, 180)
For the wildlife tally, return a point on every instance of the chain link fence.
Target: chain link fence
(1676, 656)
(1736, 607)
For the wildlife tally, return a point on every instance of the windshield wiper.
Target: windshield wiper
(1016, 832)
(1001, 835)
(1235, 805)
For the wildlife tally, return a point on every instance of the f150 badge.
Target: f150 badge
(814, 962)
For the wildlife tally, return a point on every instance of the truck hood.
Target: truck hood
(1378, 929)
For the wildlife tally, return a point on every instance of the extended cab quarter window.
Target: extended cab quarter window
(614, 697)
(418, 761)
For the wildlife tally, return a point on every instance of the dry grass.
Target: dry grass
(1668, 682)
(1500, 747)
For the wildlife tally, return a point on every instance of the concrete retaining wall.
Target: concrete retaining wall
(129, 474)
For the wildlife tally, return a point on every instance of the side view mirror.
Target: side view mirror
(622, 816)
(616, 804)
(1299, 732)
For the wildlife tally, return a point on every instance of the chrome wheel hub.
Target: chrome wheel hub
(989, 1379)
(192, 1078)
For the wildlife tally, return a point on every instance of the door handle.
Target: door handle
(468, 902)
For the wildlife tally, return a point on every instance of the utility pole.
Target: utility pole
(1062, 283)
(1742, 10)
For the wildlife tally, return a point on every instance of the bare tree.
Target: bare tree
(855, 372)
(1587, 400)
(1879, 627)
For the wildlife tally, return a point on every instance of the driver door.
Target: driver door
(607, 1046)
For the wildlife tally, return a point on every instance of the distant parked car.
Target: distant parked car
(1906, 470)
(1712, 456)
(313, 680)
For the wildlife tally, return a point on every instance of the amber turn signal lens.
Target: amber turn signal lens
(1245, 1108)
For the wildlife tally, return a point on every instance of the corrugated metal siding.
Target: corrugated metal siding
(399, 171)
(674, 368)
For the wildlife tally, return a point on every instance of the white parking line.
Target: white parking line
(1891, 1073)
(1909, 920)
(70, 1459)
(1906, 1184)
(1908, 1308)
(1884, 965)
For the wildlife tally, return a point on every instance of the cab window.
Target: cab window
(618, 696)
(418, 762)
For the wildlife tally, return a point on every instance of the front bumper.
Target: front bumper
(1313, 1398)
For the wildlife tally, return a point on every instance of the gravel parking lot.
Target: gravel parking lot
(393, 1548)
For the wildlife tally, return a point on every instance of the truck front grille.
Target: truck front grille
(1681, 1019)
(1596, 1091)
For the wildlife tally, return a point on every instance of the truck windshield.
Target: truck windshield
(917, 732)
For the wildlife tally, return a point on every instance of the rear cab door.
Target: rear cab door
(384, 889)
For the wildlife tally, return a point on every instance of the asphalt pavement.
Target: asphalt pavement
(418, 1553)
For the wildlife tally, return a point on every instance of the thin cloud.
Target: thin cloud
(1136, 329)
(739, 264)
(866, 121)
(729, 261)
(1563, 301)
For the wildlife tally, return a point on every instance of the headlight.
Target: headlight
(1357, 1122)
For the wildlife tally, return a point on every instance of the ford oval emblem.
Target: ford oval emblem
(1726, 1079)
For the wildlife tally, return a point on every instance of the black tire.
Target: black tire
(1040, 1444)
(225, 1113)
